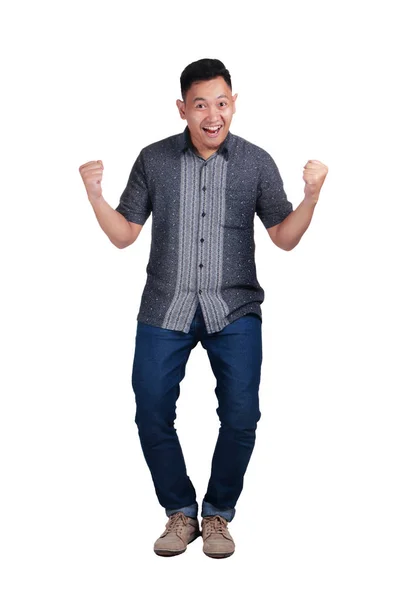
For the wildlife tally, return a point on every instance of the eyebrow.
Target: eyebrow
(221, 96)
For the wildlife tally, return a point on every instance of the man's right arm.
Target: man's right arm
(120, 231)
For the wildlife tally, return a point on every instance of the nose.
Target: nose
(213, 113)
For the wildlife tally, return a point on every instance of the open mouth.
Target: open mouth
(212, 131)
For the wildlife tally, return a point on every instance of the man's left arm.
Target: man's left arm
(287, 234)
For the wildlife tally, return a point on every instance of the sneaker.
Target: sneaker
(180, 531)
(217, 541)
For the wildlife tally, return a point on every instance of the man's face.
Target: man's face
(209, 104)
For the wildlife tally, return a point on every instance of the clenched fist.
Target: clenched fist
(92, 174)
(314, 175)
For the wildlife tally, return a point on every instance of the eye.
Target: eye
(197, 105)
(222, 102)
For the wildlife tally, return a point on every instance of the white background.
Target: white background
(319, 514)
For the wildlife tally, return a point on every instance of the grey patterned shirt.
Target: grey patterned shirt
(202, 237)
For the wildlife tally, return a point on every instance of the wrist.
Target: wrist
(311, 199)
(94, 199)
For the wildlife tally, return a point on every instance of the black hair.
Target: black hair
(203, 70)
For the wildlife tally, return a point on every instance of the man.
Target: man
(203, 188)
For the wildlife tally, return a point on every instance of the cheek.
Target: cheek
(195, 119)
(226, 115)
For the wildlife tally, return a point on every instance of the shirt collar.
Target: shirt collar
(185, 142)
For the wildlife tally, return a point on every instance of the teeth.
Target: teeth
(213, 128)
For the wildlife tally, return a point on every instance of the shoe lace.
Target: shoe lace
(176, 523)
(214, 524)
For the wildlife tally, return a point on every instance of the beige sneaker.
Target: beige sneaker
(217, 541)
(180, 531)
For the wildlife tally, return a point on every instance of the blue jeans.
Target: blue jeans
(159, 364)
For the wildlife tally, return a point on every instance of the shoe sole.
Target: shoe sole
(175, 552)
(220, 555)
(169, 552)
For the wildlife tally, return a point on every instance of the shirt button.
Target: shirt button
(202, 240)
(199, 291)
(203, 214)
(200, 265)
(204, 188)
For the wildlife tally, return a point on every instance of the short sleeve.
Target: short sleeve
(135, 204)
(272, 204)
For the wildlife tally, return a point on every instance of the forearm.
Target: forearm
(291, 230)
(114, 225)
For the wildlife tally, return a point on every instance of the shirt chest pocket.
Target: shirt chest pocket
(239, 209)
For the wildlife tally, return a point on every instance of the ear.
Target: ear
(234, 103)
(181, 107)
